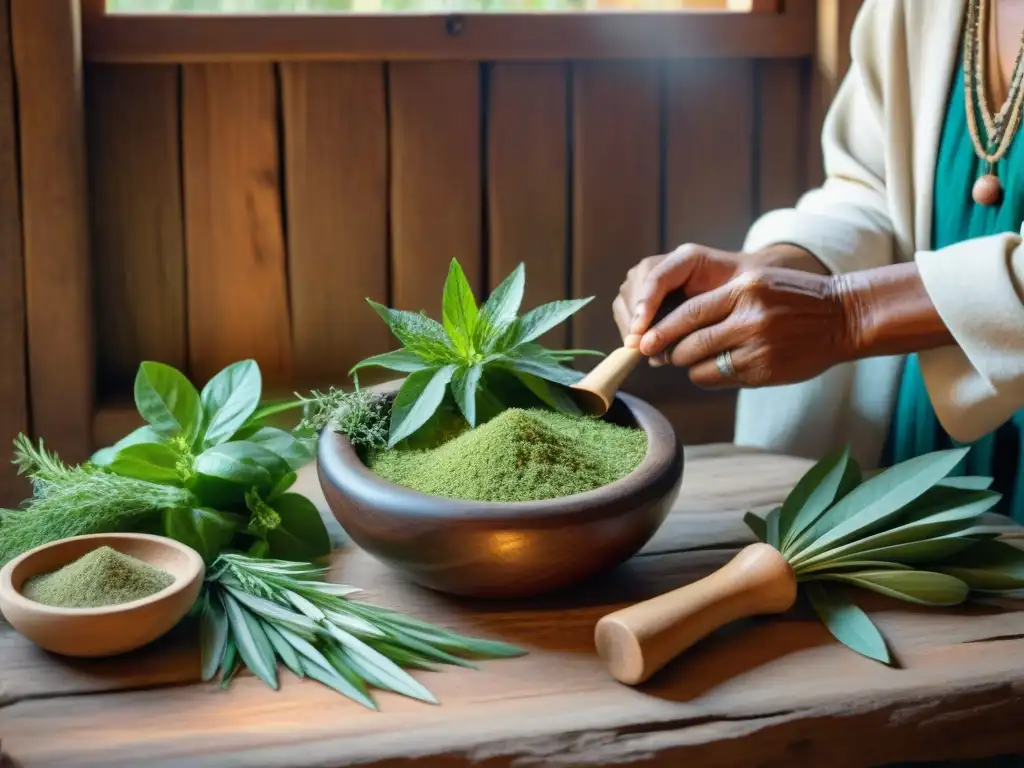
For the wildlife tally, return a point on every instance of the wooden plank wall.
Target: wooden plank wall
(249, 209)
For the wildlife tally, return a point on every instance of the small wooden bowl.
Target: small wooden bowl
(110, 630)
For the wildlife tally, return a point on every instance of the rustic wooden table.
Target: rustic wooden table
(775, 691)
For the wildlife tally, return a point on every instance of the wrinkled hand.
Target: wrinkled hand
(779, 325)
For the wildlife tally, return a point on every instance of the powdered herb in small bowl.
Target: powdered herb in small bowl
(100, 595)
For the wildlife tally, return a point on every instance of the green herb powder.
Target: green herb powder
(520, 455)
(102, 577)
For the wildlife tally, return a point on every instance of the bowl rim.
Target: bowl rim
(180, 584)
(404, 501)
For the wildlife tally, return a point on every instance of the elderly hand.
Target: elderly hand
(747, 319)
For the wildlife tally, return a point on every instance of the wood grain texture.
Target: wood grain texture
(13, 372)
(782, 126)
(776, 691)
(436, 206)
(137, 219)
(527, 175)
(237, 291)
(616, 189)
(55, 226)
(335, 128)
(709, 153)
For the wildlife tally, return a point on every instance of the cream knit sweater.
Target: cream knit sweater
(880, 143)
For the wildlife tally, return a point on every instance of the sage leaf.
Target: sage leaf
(500, 310)
(465, 382)
(229, 399)
(807, 574)
(420, 396)
(912, 586)
(772, 527)
(847, 622)
(988, 566)
(207, 531)
(402, 360)
(301, 534)
(155, 462)
(213, 635)
(418, 333)
(168, 401)
(875, 500)
(813, 494)
(289, 656)
(253, 644)
(335, 681)
(756, 525)
(542, 319)
(377, 669)
(458, 308)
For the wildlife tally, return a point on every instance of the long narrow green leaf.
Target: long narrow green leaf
(253, 645)
(988, 566)
(332, 679)
(847, 623)
(305, 649)
(213, 635)
(311, 611)
(273, 611)
(377, 669)
(500, 310)
(230, 663)
(458, 308)
(875, 500)
(967, 483)
(969, 505)
(418, 399)
(542, 319)
(756, 525)
(921, 587)
(810, 573)
(771, 523)
(812, 495)
(552, 395)
(440, 638)
(288, 654)
(426, 650)
(464, 386)
(353, 623)
(401, 360)
(907, 554)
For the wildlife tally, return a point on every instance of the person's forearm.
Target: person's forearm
(787, 256)
(889, 312)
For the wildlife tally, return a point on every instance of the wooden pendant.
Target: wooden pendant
(987, 190)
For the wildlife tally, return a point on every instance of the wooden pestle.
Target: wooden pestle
(637, 641)
(595, 392)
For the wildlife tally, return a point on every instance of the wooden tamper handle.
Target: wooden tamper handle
(595, 392)
(637, 641)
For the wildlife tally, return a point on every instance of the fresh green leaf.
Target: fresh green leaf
(847, 622)
(301, 534)
(921, 587)
(230, 663)
(500, 310)
(207, 531)
(812, 572)
(229, 399)
(353, 623)
(168, 401)
(305, 649)
(963, 507)
(242, 463)
(418, 333)
(542, 319)
(402, 360)
(552, 395)
(967, 483)
(213, 635)
(988, 566)
(542, 368)
(273, 612)
(155, 462)
(272, 409)
(756, 525)
(297, 453)
(772, 528)
(282, 485)
(289, 656)
(144, 434)
(425, 650)
(335, 681)
(813, 494)
(253, 644)
(377, 669)
(458, 309)
(465, 382)
(418, 399)
(908, 553)
(875, 500)
(303, 605)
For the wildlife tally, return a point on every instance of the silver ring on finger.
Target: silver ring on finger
(725, 366)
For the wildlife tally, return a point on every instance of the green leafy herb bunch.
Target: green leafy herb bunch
(484, 358)
(205, 470)
(912, 532)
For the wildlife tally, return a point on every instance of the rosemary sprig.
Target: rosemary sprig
(72, 501)
(361, 415)
(262, 612)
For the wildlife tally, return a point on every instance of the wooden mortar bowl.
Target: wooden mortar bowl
(499, 549)
(110, 630)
